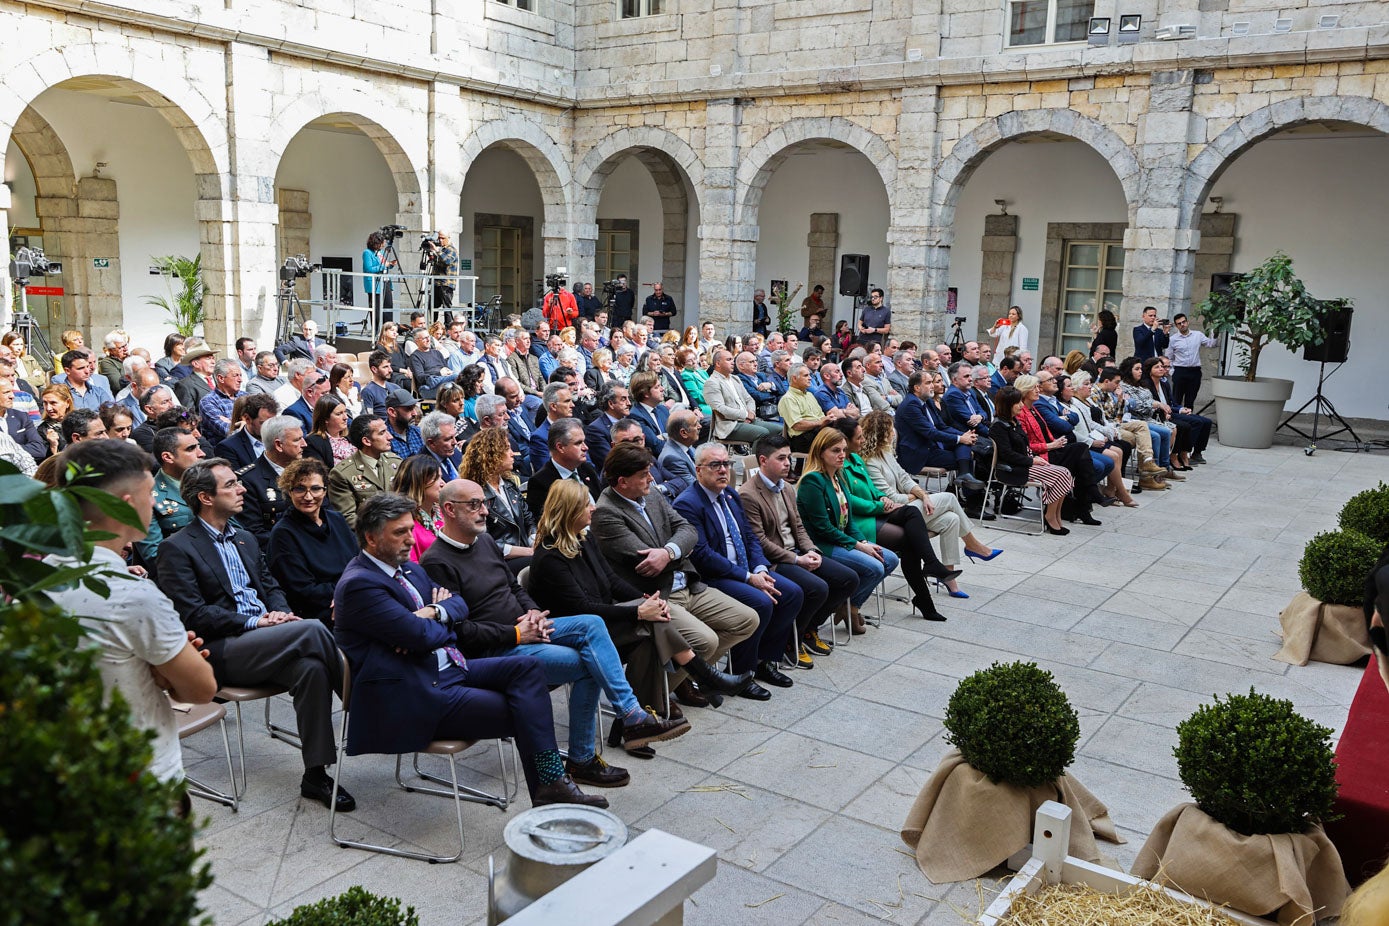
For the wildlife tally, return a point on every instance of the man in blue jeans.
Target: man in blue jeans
(503, 620)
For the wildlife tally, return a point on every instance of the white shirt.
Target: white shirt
(137, 627)
(1010, 336)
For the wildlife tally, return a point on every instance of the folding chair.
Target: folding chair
(196, 720)
(450, 748)
(996, 489)
(237, 696)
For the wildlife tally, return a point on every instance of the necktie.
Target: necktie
(450, 471)
(208, 379)
(734, 534)
(455, 656)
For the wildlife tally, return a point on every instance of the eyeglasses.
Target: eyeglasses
(472, 504)
(308, 490)
(716, 464)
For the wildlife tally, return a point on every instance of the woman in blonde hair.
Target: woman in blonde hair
(570, 575)
(1074, 361)
(490, 462)
(942, 510)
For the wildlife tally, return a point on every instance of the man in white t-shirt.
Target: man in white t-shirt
(144, 649)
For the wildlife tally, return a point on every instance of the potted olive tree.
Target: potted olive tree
(1267, 305)
(1014, 734)
(1263, 779)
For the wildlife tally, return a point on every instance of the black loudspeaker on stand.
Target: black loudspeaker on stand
(1334, 348)
(853, 275)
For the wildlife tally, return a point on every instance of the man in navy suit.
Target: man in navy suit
(559, 403)
(315, 387)
(20, 426)
(1008, 370)
(1060, 421)
(412, 683)
(245, 445)
(924, 438)
(1149, 339)
(961, 406)
(677, 458)
(214, 574)
(649, 410)
(616, 402)
(728, 557)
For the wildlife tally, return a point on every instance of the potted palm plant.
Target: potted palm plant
(1267, 305)
(186, 290)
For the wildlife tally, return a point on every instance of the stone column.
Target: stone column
(81, 228)
(824, 245)
(1160, 247)
(6, 288)
(918, 256)
(727, 250)
(1000, 247)
(1217, 255)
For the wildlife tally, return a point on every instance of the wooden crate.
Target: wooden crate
(1049, 864)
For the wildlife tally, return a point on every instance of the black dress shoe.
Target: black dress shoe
(927, 607)
(769, 673)
(564, 791)
(320, 788)
(1058, 531)
(1197, 458)
(755, 692)
(970, 483)
(1093, 522)
(946, 575)
(597, 773)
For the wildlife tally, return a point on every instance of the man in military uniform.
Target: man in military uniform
(370, 470)
(176, 450)
(283, 437)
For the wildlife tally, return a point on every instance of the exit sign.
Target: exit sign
(465, 263)
(101, 263)
(1029, 284)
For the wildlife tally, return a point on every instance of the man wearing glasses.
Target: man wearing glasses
(875, 323)
(314, 388)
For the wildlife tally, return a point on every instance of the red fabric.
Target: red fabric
(1362, 756)
(1038, 436)
(562, 312)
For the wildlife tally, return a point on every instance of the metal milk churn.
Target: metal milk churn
(545, 847)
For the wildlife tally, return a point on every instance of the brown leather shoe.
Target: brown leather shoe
(655, 730)
(564, 791)
(856, 627)
(1151, 467)
(1153, 484)
(689, 695)
(597, 773)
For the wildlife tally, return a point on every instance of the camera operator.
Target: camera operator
(589, 304)
(622, 302)
(559, 306)
(660, 307)
(439, 257)
(374, 260)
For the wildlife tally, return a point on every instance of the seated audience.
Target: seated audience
(420, 479)
(263, 505)
(648, 408)
(488, 461)
(244, 444)
(215, 576)
(1018, 464)
(311, 545)
(439, 430)
(371, 468)
(328, 441)
(1091, 432)
(614, 402)
(175, 450)
(568, 459)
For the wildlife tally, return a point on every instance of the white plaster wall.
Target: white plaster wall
(154, 184)
(328, 164)
(1042, 182)
(500, 181)
(821, 180)
(630, 193)
(20, 180)
(1323, 201)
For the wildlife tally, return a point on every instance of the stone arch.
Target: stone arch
(675, 156)
(384, 125)
(541, 153)
(46, 155)
(969, 152)
(762, 160)
(195, 120)
(1207, 166)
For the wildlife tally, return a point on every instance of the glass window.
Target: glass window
(634, 8)
(499, 266)
(1092, 279)
(1042, 22)
(614, 253)
(528, 5)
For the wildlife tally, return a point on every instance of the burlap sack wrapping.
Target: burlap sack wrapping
(963, 825)
(1298, 875)
(1333, 633)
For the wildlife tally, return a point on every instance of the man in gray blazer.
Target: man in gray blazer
(677, 457)
(648, 544)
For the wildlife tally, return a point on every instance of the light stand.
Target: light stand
(1320, 405)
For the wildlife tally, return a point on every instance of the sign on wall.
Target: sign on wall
(101, 263)
(1030, 284)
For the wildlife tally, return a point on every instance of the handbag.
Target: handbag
(767, 411)
(983, 446)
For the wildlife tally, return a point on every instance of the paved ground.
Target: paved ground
(1140, 620)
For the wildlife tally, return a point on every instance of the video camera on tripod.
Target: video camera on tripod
(393, 232)
(30, 262)
(296, 268)
(554, 281)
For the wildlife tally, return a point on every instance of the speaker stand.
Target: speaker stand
(1320, 405)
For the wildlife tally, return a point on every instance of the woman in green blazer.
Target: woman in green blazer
(900, 528)
(824, 502)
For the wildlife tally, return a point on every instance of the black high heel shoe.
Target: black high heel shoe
(1058, 531)
(927, 607)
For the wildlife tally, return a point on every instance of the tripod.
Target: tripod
(25, 325)
(957, 339)
(1320, 405)
(389, 256)
(288, 309)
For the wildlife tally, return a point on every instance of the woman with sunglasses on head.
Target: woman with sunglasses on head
(311, 545)
(421, 479)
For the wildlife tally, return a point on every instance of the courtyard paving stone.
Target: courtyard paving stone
(1140, 620)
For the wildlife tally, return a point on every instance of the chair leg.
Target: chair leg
(198, 789)
(240, 789)
(500, 801)
(283, 734)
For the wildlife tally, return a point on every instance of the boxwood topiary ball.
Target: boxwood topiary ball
(1367, 513)
(1254, 764)
(1335, 565)
(1013, 723)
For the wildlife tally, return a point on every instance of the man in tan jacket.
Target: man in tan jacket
(734, 412)
(769, 502)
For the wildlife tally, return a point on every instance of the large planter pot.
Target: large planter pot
(1247, 413)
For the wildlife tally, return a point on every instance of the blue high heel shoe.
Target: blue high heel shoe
(983, 559)
(940, 586)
